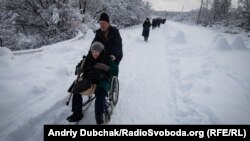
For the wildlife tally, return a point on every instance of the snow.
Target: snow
(55, 16)
(182, 75)
(90, 35)
(6, 57)
(5, 52)
(179, 38)
(221, 44)
(238, 43)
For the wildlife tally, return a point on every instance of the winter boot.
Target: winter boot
(99, 119)
(107, 118)
(75, 117)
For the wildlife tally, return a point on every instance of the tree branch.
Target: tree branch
(104, 8)
(36, 11)
(34, 26)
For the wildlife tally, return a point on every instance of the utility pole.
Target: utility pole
(199, 12)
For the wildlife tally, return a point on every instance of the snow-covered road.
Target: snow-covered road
(184, 75)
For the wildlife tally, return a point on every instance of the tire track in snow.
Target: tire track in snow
(184, 110)
(144, 96)
(136, 56)
(54, 115)
(242, 82)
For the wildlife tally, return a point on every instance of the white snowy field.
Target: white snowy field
(183, 75)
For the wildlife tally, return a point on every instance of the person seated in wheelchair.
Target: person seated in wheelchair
(96, 72)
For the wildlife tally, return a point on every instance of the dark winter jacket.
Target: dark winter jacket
(112, 44)
(146, 28)
(96, 76)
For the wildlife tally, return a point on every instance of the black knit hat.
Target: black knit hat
(104, 17)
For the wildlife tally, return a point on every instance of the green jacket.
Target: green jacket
(113, 71)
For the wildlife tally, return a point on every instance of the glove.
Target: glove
(78, 70)
(102, 66)
(84, 57)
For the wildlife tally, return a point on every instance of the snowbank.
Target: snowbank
(238, 43)
(217, 37)
(221, 44)
(6, 57)
(89, 35)
(5, 52)
(179, 38)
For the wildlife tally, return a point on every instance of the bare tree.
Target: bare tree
(199, 12)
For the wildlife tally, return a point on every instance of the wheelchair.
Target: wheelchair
(111, 99)
(88, 97)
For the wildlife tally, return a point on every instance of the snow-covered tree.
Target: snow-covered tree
(205, 15)
(122, 12)
(32, 23)
(220, 9)
(244, 8)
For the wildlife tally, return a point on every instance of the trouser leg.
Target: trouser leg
(100, 104)
(77, 97)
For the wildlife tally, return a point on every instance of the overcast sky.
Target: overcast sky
(177, 5)
(174, 5)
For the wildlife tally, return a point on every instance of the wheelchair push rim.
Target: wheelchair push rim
(114, 90)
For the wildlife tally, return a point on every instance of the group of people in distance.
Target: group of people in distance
(147, 24)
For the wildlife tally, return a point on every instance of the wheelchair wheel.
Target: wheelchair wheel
(112, 98)
(114, 92)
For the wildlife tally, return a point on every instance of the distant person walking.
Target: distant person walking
(146, 29)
